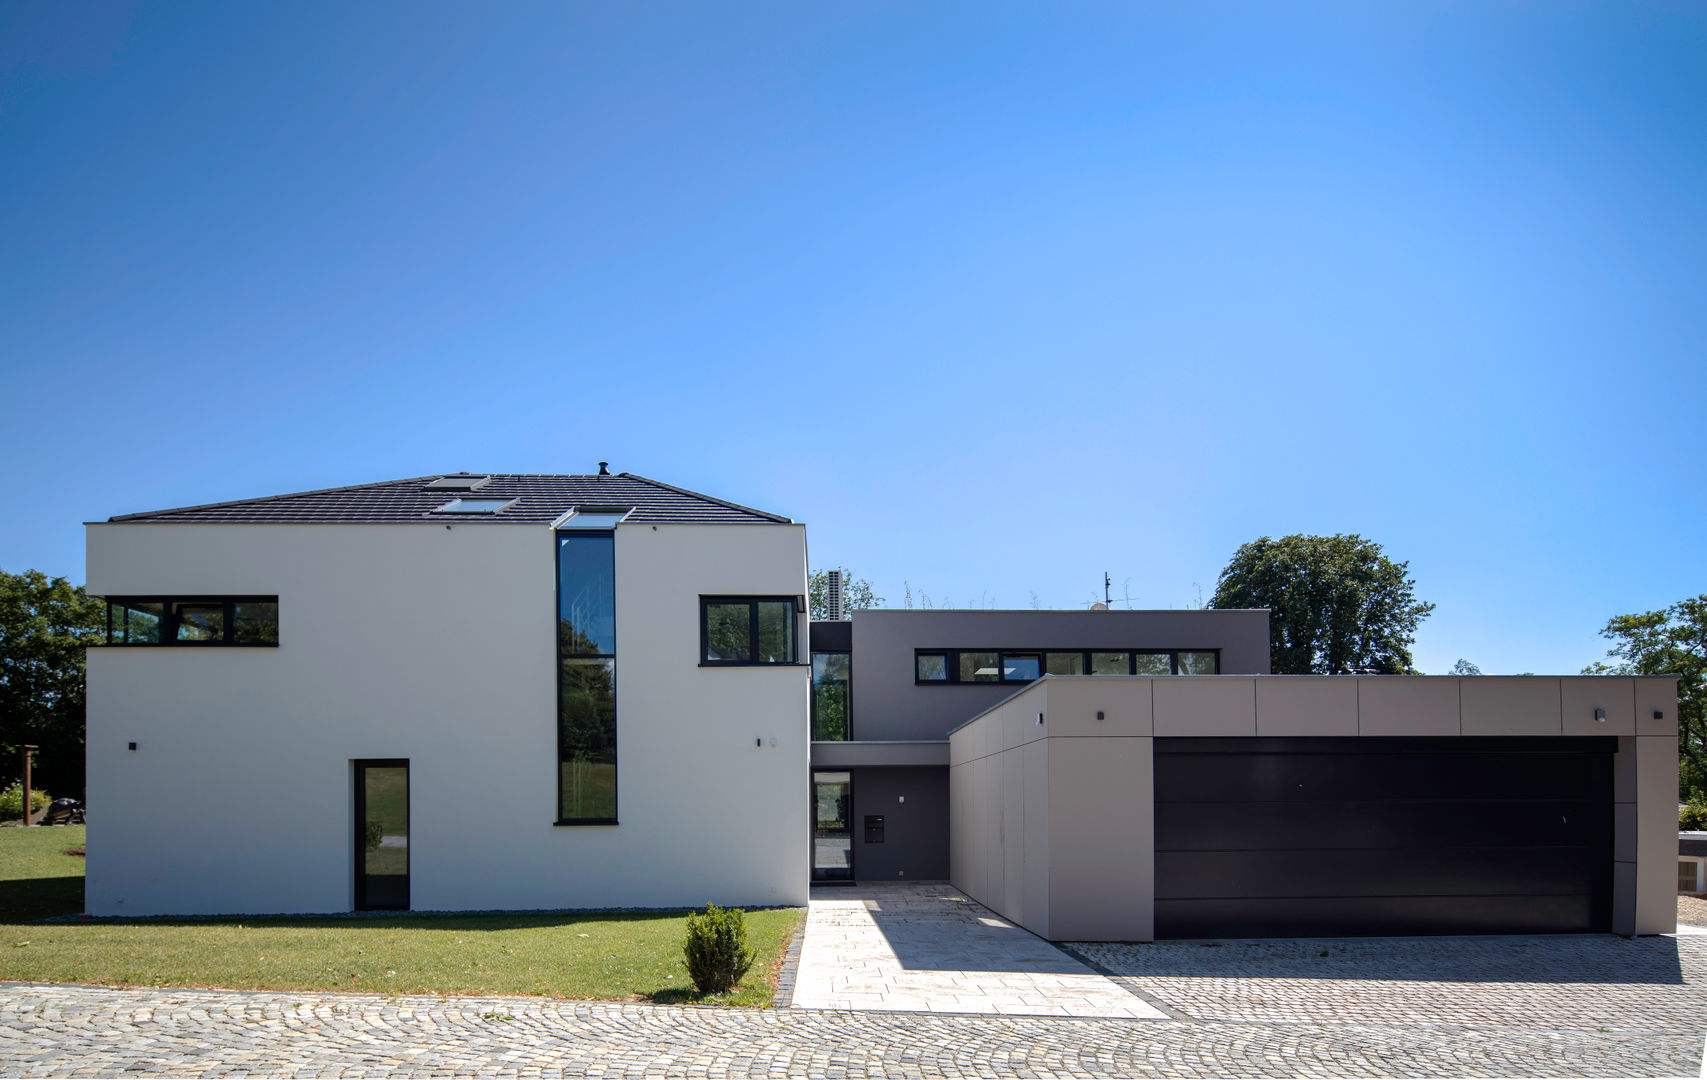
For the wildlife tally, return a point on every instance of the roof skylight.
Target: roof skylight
(474, 506)
(460, 482)
(595, 517)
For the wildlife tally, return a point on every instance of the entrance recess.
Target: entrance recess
(1268, 837)
(832, 826)
(382, 834)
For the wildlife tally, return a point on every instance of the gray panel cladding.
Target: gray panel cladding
(915, 832)
(887, 704)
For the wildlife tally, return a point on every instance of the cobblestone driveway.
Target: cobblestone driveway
(85, 1031)
(1585, 982)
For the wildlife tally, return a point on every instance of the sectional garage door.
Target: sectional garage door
(1278, 837)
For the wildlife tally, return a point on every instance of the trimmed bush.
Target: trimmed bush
(1693, 818)
(716, 949)
(12, 801)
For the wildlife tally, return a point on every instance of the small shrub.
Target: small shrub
(12, 801)
(716, 949)
(1693, 818)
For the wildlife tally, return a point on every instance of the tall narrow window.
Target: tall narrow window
(830, 705)
(586, 678)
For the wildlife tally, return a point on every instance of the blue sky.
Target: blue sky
(995, 297)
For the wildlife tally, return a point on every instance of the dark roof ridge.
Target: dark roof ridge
(282, 495)
(709, 498)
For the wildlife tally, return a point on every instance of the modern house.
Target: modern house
(449, 693)
(480, 691)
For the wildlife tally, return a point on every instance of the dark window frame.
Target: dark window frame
(557, 538)
(812, 712)
(169, 621)
(951, 663)
(753, 603)
(358, 765)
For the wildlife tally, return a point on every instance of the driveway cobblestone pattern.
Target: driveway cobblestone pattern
(926, 947)
(1585, 982)
(89, 1031)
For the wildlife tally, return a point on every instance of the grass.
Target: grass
(606, 956)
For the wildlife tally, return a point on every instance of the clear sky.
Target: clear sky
(995, 297)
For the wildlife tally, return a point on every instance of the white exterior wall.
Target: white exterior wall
(437, 645)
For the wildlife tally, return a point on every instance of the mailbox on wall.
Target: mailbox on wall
(874, 828)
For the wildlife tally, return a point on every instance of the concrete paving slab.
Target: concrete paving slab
(926, 947)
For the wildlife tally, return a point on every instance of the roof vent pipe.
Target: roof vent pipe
(604, 468)
(833, 595)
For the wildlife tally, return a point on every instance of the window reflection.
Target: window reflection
(1154, 663)
(830, 704)
(1110, 663)
(980, 667)
(1021, 667)
(1197, 663)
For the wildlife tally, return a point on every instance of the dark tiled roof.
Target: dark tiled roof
(539, 500)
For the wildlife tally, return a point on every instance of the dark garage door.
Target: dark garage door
(1292, 837)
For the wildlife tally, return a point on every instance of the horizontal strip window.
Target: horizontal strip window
(193, 621)
(744, 631)
(950, 666)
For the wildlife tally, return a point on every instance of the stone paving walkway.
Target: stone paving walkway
(88, 1031)
(926, 947)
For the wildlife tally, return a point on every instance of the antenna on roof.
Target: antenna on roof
(604, 468)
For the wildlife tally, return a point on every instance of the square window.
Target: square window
(1021, 667)
(980, 667)
(1064, 663)
(930, 667)
(1111, 663)
(255, 622)
(201, 623)
(1154, 663)
(1197, 663)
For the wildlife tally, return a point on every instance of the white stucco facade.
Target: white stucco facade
(436, 645)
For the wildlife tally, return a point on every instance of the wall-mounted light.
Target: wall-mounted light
(1659, 714)
(1040, 718)
(1099, 714)
(1600, 716)
(133, 746)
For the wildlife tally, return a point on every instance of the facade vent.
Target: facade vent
(833, 596)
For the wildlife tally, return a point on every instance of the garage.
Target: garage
(1284, 837)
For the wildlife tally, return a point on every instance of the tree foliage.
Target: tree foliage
(1336, 603)
(1465, 667)
(857, 594)
(1670, 641)
(45, 624)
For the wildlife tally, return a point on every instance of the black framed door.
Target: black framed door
(1290, 837)
(832, 826)
(382, 834)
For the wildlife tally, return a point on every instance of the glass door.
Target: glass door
(382, 834)
(832, 826)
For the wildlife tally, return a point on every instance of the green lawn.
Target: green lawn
(608, 956)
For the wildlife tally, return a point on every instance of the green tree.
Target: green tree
(45, 624)
(1670, 641)
(1336, 603)
(857, 594)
